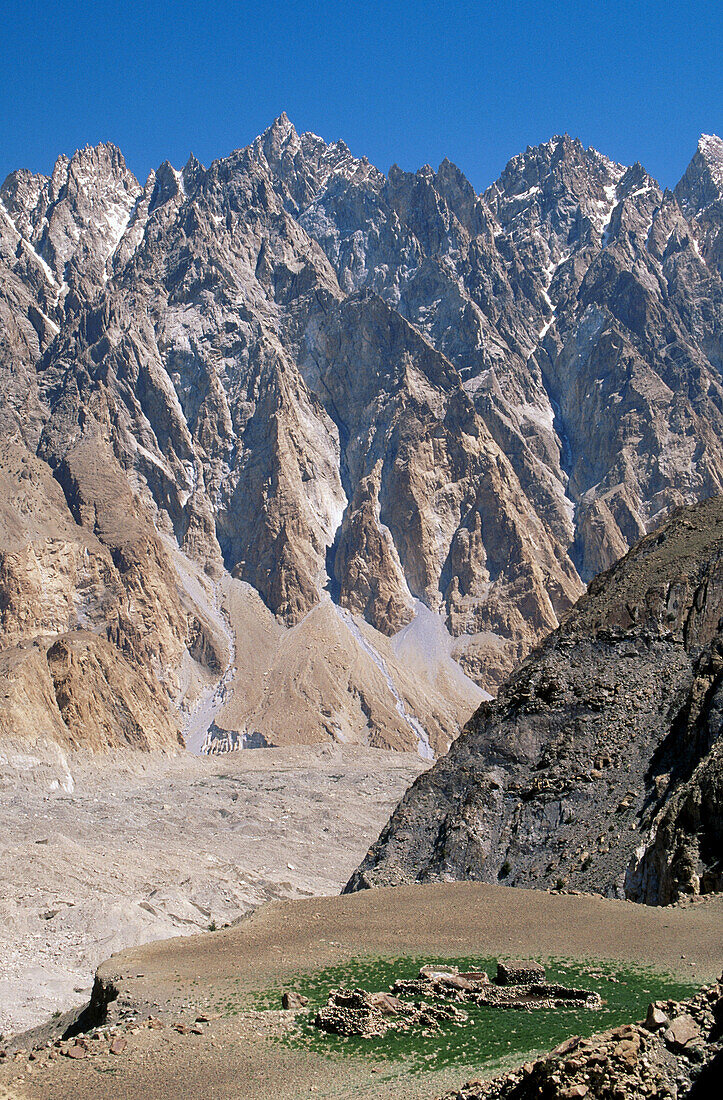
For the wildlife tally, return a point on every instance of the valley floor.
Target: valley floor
(134, 849)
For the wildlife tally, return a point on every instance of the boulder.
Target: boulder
(655, 1018)
(387, 1003)
(683, 1030)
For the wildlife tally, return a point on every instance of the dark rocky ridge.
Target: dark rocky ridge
(599, 766)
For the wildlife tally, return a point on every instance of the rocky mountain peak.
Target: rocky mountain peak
(278, 138)
(74, 219)
(700, 196)
(300, 167)
(563, 186)
(449, 173)
(105, 153)
(702, 183)
(710, 147)
(20, 195)
(193, 172)
(560, 162)
(282, 127)
(169, 184)
(99, 169)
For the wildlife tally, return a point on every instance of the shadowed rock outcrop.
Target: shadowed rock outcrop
(598, 766)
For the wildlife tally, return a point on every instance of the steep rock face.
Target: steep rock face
(328, 382)
(25, 330)
(106, 701)
(445, 501)
(76, 690)
(77, 576)
(700, 195)
(598, 765)
(102, 594)
(564, 297)
(74, 219)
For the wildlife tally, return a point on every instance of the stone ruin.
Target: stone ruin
(518, 984)
(357, 1012)
(676, 1052)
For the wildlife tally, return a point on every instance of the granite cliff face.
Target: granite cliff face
(599, 764)
(289, 383)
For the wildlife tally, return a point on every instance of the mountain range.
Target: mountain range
(292, 449)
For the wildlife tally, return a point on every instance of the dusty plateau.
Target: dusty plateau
(223, 1055)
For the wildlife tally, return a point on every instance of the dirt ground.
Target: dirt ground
(102, 853)
(237, 1057)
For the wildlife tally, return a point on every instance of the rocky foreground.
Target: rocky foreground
(677, 1052)
(599, 766)
(186, 1010)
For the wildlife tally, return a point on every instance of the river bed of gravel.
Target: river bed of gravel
(144, 848)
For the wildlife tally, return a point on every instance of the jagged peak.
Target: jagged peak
(91, 161)
(710, 143)
(702, 182)
(554, 143)
(557, 144)
(87, 154)
(168, 183)
(528, 172)
(281, 130)
(397, 175)
(276, 140)
(341, 144)
(282, 135)
(193, 171)
(90, 156)
(20, 178)
(282, 123)
(710, 149)
(636, 177)
(449, 173)
(90, 152)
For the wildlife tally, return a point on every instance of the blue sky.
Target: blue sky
(409, 82)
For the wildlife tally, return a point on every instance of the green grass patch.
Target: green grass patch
(491, 1037)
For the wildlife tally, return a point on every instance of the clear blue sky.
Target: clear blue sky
(409, 81)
